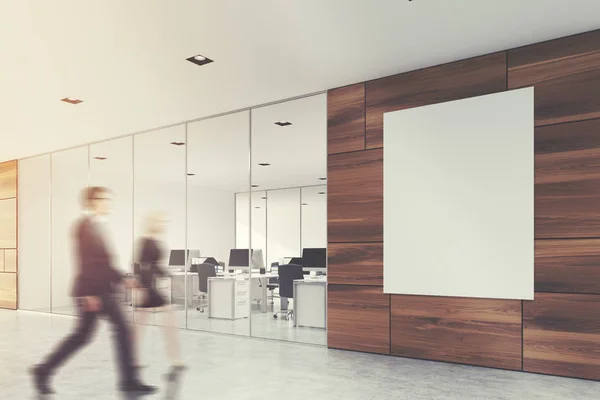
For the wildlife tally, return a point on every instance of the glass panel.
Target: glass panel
(111, 166)
(69, 178)
(218, 173)
(290, 163)
(34, 234)
(159, 225)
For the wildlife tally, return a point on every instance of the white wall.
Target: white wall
(458, 191)
(34, 233)
(314, 217)
(259, 221)
(283, 224)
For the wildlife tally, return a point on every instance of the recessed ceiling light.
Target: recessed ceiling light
(100, 158)
(257, 207)
(322, 179)
(321, 192)
(283, 123)
(264, 164)
(71, 100)
(264, 198)
(199, 59)
(254, 186)
(304, 204)
(191, 174)
(177, 143)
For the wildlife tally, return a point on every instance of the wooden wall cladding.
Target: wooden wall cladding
(568, 266)
(8, 224)
(355, 197)
(1, 260)
(358, 318)
(8, 290)
(355, 263)
(346, 119)
(566, 76)
(10, 260)
(562, 335)
(8, 179)
(567, 180)
(454, 81)
(463, 330)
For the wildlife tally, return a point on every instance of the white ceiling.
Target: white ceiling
(126, 59)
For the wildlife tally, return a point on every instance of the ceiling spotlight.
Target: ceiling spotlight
(264, 198)
(322, 179)
(199, 59)
(100, 158)
(191, 174)
(304, 204)
(71, 100)
(254, 186)
(177, 143)
(257, 207)
(283, 123)
(321, 192)
(264, 164)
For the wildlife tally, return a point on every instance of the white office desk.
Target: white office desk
(310, 302)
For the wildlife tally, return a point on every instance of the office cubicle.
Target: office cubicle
(237, 181)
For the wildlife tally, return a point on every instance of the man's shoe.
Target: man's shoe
(138, 387)
(41, 380)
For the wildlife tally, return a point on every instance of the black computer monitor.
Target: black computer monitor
(238, 258)
(296, 261)
(177, 257)
(314, 258)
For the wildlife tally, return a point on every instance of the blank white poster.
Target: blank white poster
(459, 199)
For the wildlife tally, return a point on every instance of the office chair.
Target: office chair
(205, 271)
(273, 282)
(287, 275)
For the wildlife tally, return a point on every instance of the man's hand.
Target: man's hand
(92, 304)
(131, 283)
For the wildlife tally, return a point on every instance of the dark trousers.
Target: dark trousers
(83, 333)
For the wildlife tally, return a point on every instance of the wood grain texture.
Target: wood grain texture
(355, 263)
(8, 290)
(8, 223)
(480, 332)
(355, 197)
(454, 81)
(8, 179)
(10, 260)
(567, 180)
(566, 76)
(568, 266)
(358, 318)
(346, 119)
(561, 335)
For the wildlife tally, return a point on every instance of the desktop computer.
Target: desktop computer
(314, 258)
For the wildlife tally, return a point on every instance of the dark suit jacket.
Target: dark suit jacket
(96, 273)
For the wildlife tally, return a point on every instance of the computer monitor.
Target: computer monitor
(296, 261)
(238, 258)
(257, 259)
(177, 257)
(314, 258)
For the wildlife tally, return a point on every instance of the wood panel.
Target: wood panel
(358, 318)
(346, 119)
(8, 290)
(480, 332)
(570, 266)
(355, 263)
(1, 260)
(8, 179)
(562, 335)
(454, 81)
(566, 76)
(567, 180)
(355, 197)
(10, 260)
(8, 223)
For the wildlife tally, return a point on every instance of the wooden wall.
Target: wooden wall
(8, 235)
(559, 332)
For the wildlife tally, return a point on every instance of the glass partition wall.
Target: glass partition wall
(241, 204)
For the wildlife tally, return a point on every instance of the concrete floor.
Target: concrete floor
(237, 368)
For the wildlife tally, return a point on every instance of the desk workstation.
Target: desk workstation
(225, 291)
